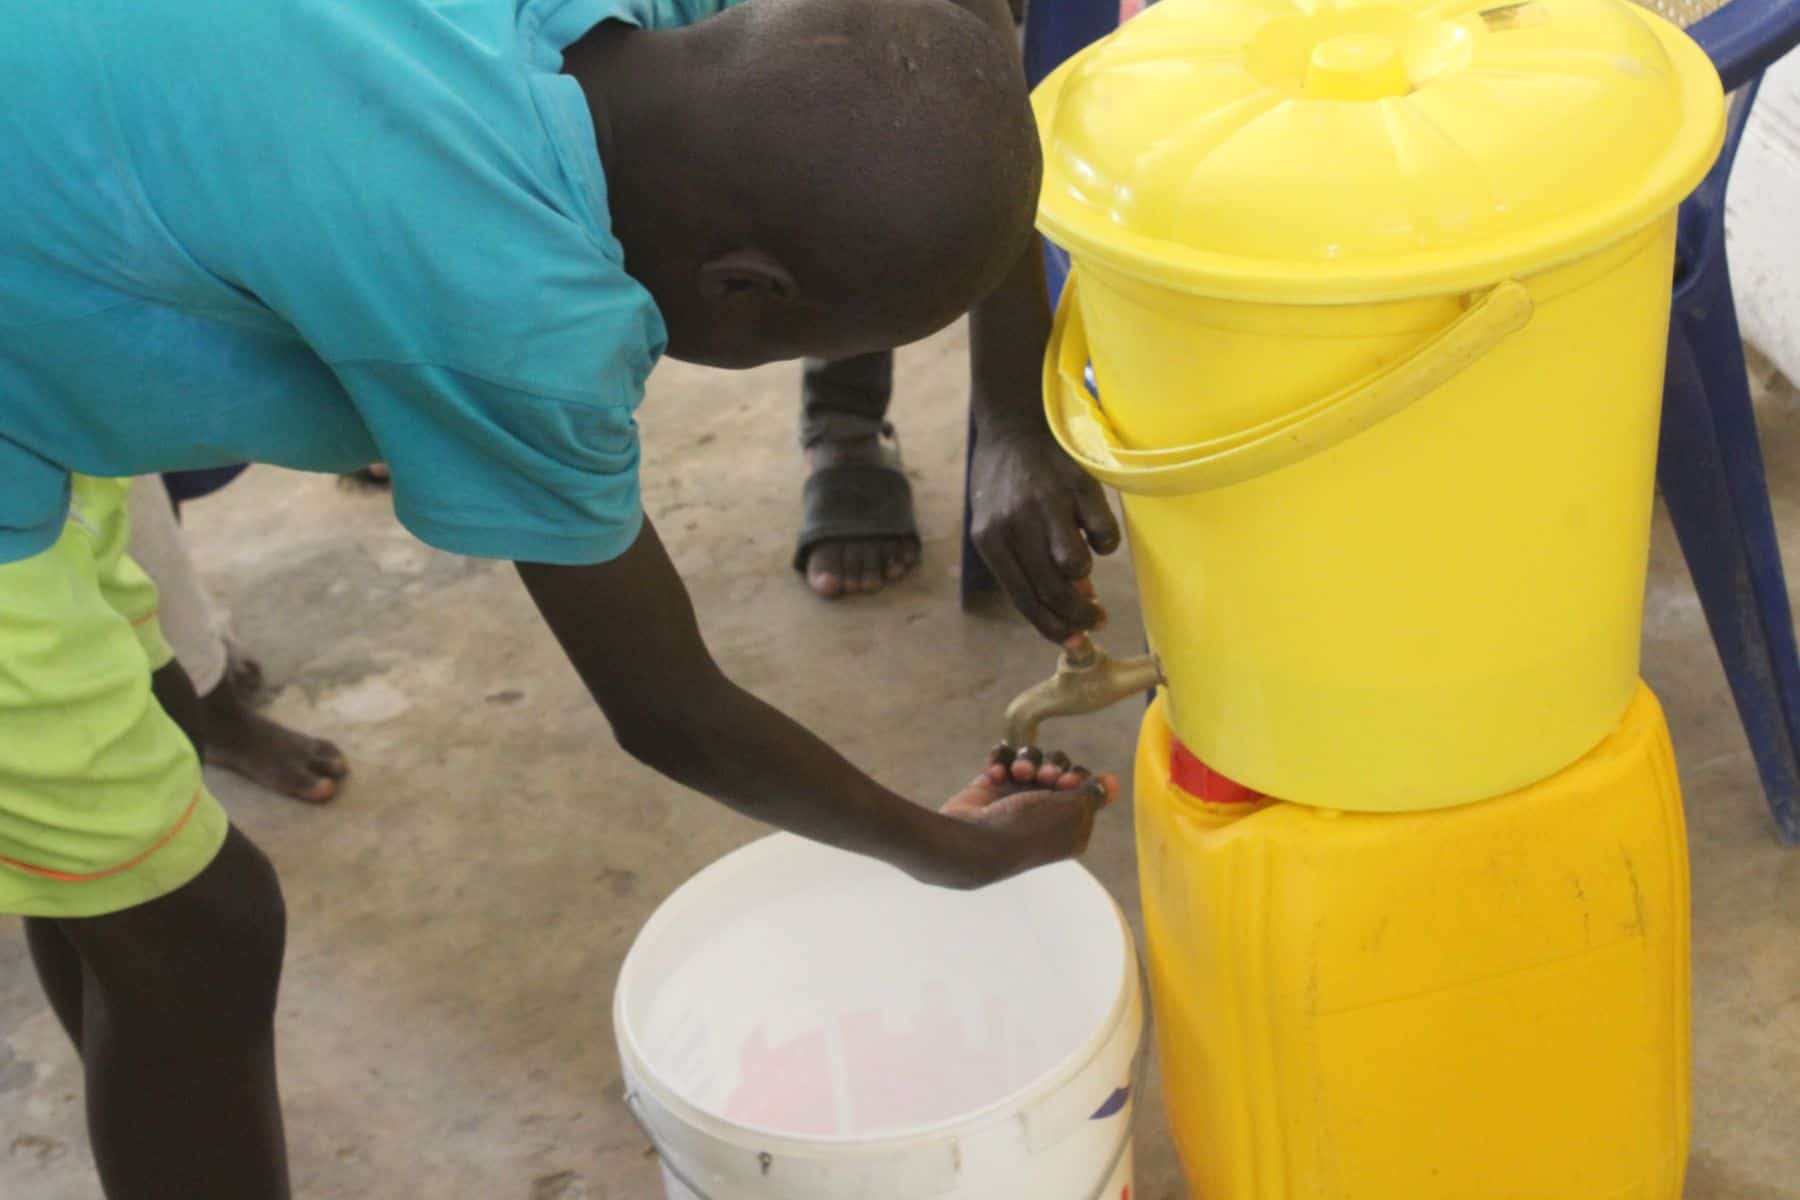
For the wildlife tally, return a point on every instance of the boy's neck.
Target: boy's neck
(641, 87)
(600, 63)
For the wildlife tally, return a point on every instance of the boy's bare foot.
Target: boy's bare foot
(243, 741)
(858, 534)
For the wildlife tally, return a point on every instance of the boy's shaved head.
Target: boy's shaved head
(815, 176)
(895, 134)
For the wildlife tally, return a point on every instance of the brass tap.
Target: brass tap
(1086, 679)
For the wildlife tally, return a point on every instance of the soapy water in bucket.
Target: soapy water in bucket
(865, 1005)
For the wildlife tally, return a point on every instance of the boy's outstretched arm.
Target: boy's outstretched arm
(629, 629)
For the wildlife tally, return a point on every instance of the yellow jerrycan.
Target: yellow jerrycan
(1376, 298)
(1483, 1003)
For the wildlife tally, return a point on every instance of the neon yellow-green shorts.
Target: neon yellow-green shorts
(102, 806)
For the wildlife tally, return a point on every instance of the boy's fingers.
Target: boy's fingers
(1020, 557)
(1084, 587)
(1099, 789)
(1089, 804)
(1068, 548)
(1026, 763)
(1049, 582)
(1007, 570)
(1096, 516)
(1091, 797)
(1031, 537)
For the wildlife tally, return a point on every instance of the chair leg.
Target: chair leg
(1711, 474)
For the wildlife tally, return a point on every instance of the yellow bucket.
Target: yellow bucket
(1388, 493)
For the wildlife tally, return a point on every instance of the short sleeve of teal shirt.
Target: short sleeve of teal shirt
(649, 14)
(429, 213)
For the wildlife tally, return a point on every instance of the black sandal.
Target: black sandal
(855, 502)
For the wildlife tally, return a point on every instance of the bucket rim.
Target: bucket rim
(843, 1146)
(1547, 246)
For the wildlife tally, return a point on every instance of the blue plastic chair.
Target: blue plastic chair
(1711, 461)
(1710, 464)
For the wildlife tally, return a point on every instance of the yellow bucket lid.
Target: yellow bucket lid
(1297, 151)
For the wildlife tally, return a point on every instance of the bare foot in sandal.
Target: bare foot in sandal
(858, 533)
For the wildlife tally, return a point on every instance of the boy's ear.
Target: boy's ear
(747, 272)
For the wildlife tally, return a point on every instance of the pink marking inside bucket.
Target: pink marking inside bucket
(931, 1071)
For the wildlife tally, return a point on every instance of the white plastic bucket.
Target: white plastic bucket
(804, 1024)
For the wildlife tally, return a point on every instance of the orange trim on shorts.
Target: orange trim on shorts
(65, 877)
(145, 619)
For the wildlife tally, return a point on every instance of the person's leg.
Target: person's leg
(238, 737)
(193, 485)
(284, 760)
(858, 533)
(59, 971)
(171, 1007)
(177, 1036)
(157, 931)
(58, 964)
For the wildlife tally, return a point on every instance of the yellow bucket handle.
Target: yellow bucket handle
(1088, 437)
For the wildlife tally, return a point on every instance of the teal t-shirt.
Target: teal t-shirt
(320, 233)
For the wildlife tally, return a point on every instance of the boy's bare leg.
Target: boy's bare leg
(171, 1006)
(59, 970)
(177, 1036)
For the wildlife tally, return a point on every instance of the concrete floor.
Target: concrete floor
(458, 918)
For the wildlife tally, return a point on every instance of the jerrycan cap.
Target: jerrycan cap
(1295, 152)
(1200, 781)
